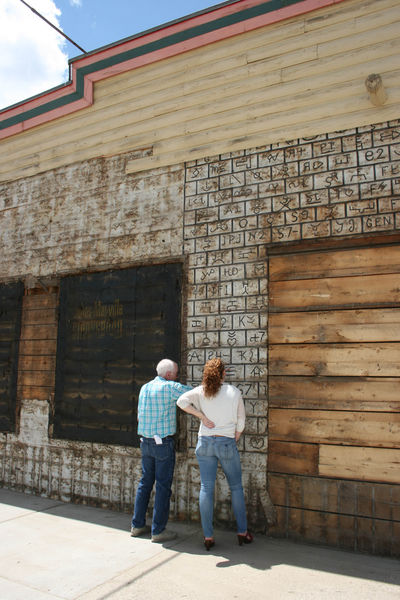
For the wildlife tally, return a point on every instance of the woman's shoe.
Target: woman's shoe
(245, 538)
(209, 543)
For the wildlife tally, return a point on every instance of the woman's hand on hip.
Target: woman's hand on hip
(207, 422)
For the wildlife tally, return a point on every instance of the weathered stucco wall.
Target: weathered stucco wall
(89, 214)
(221, 215)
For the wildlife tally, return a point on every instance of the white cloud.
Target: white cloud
(75, 2)
(32, 54)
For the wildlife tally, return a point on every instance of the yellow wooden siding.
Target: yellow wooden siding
(367, 464)
(297, 78)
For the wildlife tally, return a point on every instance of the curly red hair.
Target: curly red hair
(213, 376)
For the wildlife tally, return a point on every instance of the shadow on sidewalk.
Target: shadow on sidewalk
(266, 553)
(263, 554)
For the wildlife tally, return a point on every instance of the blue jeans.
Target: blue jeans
(210, 450)
(158, 462)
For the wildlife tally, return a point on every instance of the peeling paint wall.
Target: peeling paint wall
(89, 214)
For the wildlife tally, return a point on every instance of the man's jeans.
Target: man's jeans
(158, 462)
(210, 450)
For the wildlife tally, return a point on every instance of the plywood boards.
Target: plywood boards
(334, 390)
(357, 515)
(37, 357)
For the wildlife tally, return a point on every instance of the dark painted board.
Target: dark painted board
(113, 329)
(10, 329)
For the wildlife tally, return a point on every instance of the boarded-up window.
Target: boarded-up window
(113, 329)
(334, 402)
(10, 328)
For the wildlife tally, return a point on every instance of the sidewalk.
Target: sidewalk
(50, 550)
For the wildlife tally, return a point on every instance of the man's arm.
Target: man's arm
(181, 388)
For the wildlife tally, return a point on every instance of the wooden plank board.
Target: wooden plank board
(350, 10)
(337, 37)
(343, 496)
(335, 263)
(36, 363)
(40, 301)
(39, 332)
(219, 126)
(361, 39)
(335, 427)
(38, 347)
(379, 394)
(356, 533)
(365, 360)
(377, 49)
(289, 457)
(311, 124)
(41, 392)
(36, 378)
(335, 292)
(251, 121)
(368, 325)
(369, 464)
(45, 316)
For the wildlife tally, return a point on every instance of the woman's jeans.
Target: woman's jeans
(158, 462)
(210, 450)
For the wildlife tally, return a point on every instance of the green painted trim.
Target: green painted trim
(176, 38)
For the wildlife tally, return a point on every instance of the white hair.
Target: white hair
(165, 366)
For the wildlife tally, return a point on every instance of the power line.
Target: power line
(53, 26)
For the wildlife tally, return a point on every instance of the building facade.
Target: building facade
(224, 185)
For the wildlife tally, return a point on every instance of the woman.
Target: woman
(221, 411)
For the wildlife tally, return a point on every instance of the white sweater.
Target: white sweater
(225, 410)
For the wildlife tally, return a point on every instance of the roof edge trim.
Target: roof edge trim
(214, 24)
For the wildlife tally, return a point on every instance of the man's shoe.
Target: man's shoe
(137, 531)
(164, 536)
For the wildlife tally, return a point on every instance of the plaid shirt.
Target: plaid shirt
(157, 407)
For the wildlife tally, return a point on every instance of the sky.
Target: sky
(34, 57)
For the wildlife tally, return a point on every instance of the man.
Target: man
(156, 426)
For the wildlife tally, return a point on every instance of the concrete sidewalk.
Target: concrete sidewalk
(50, 550)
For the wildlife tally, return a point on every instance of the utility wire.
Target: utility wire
(53, 26)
